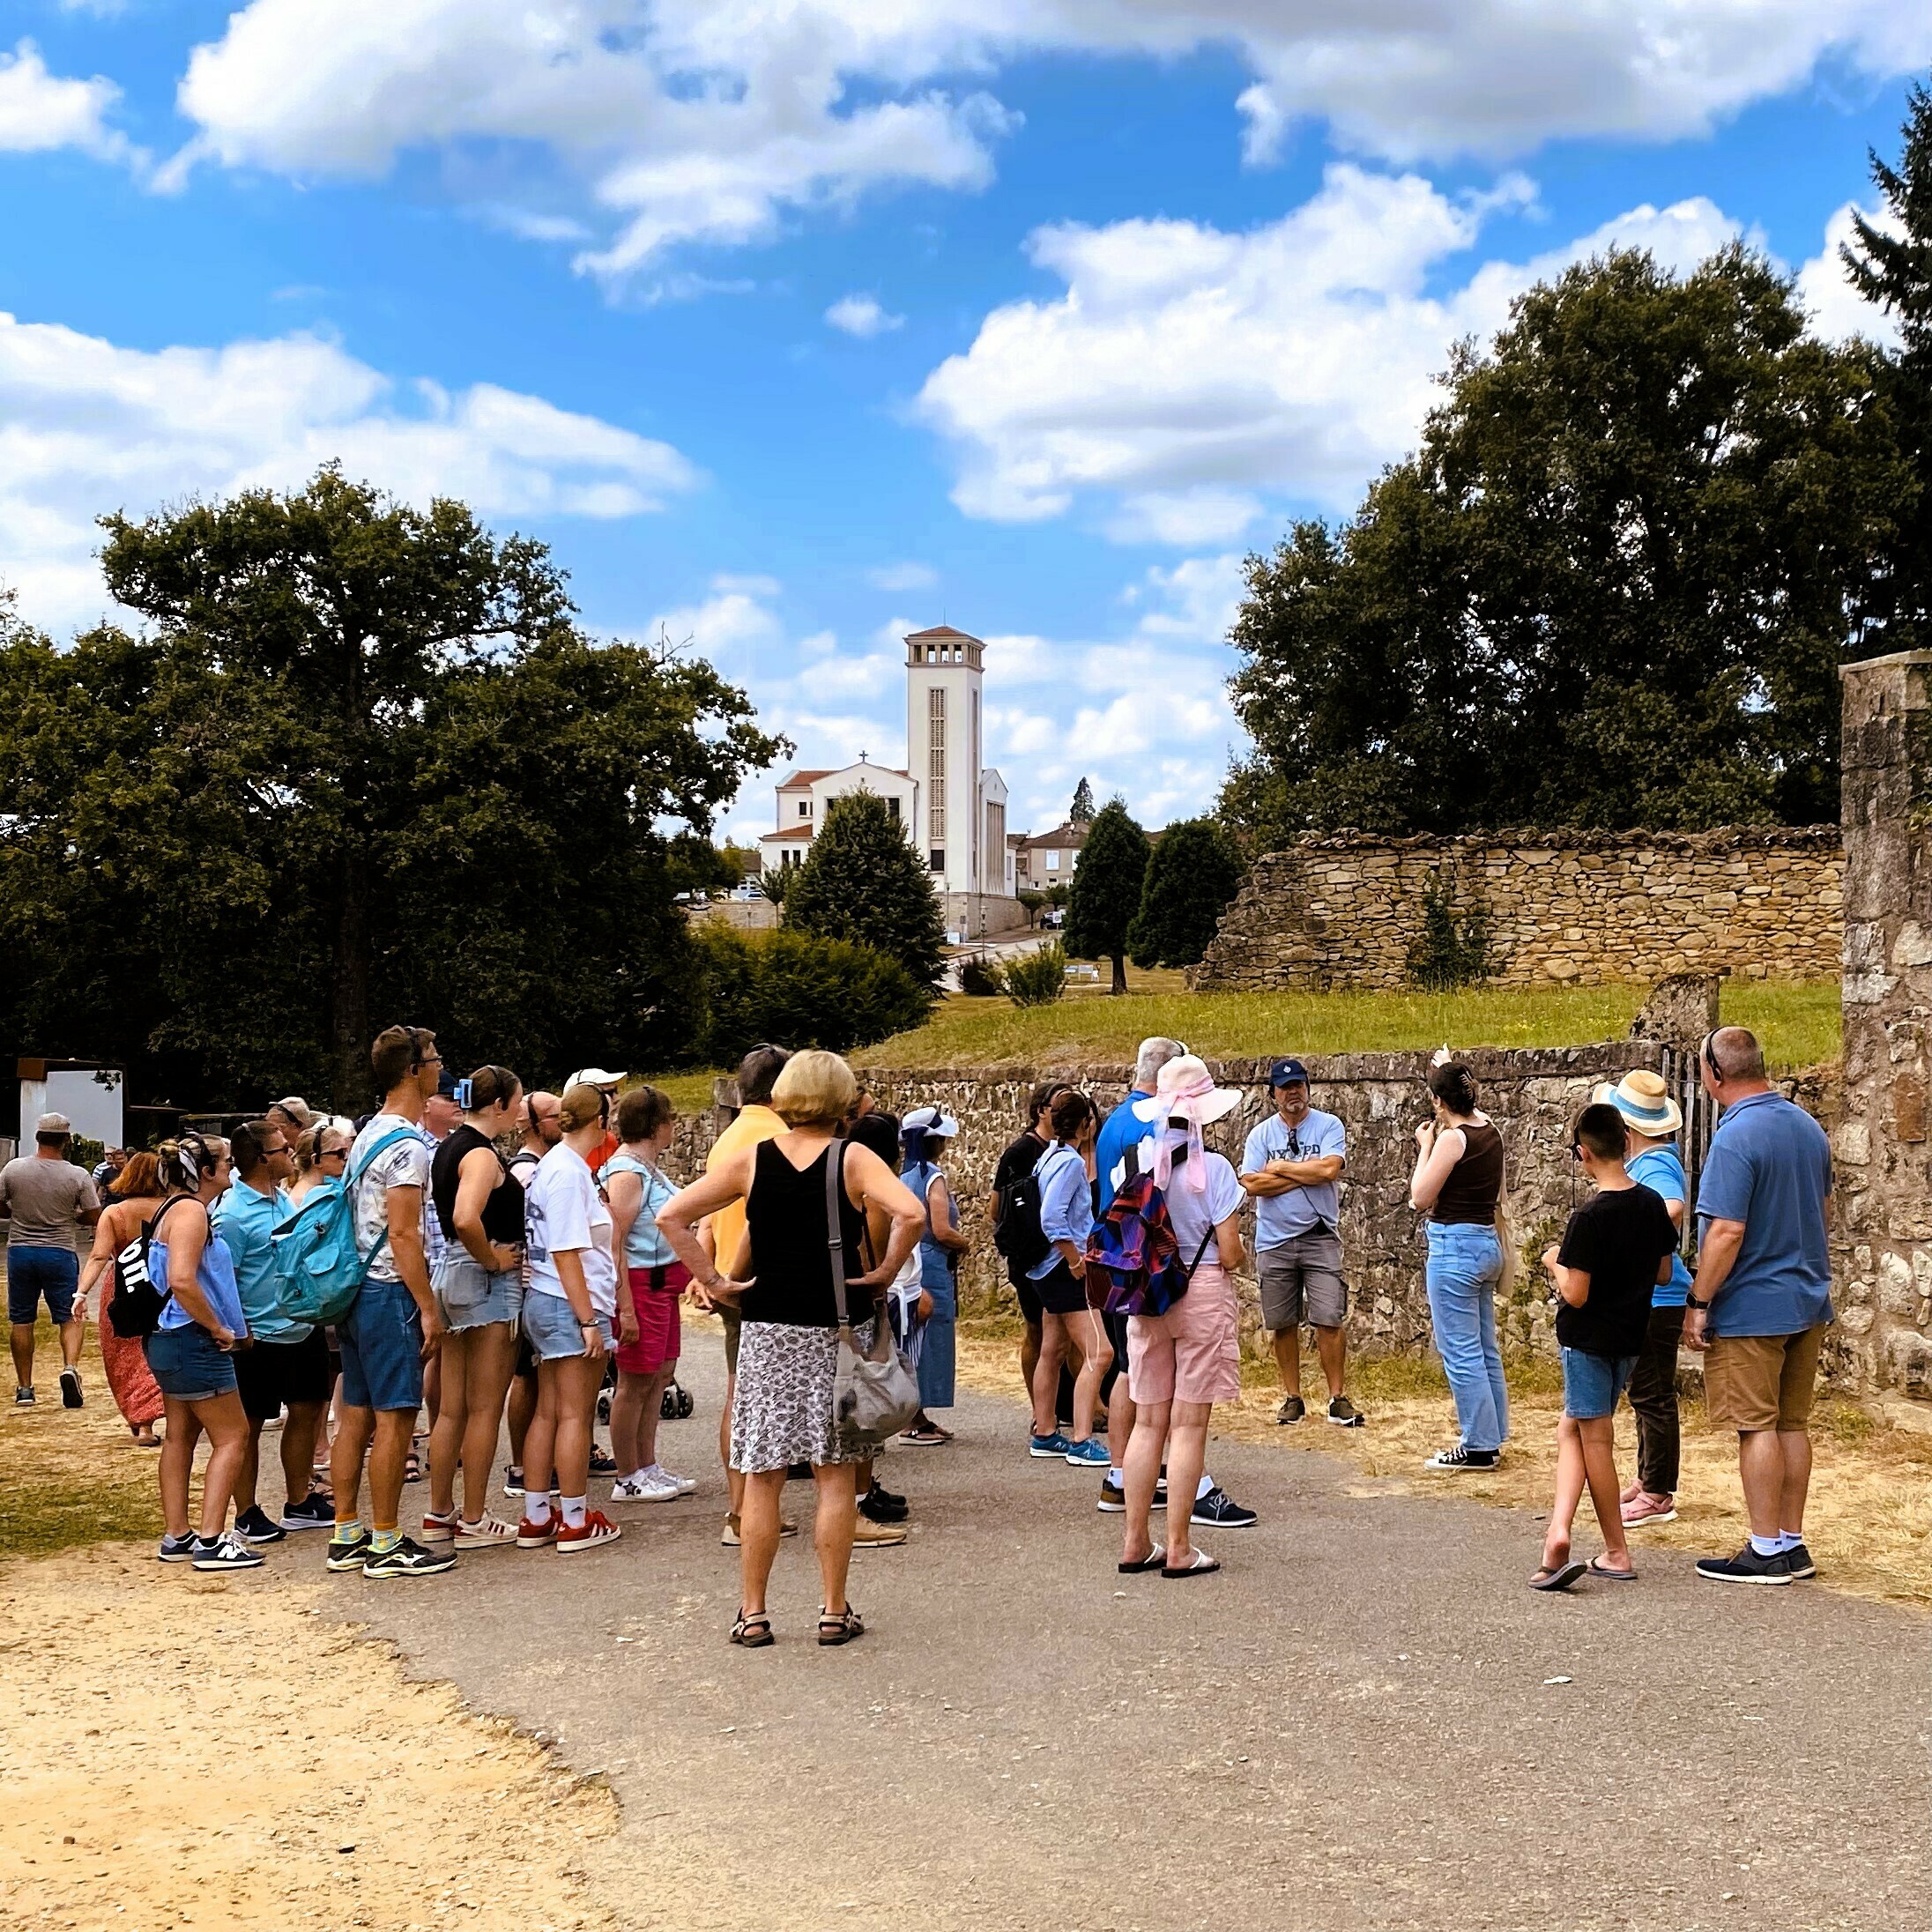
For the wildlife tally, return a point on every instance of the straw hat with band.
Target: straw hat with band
(1185, 1090)
(1645, 1103)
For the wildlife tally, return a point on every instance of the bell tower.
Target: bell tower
(943, 753)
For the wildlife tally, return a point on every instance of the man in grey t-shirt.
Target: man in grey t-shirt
(49, 1201)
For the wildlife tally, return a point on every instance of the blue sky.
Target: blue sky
(791, 324)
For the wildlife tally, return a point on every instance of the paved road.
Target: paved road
(1366, 1721)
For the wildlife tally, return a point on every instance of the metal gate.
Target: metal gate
(1679, 1069)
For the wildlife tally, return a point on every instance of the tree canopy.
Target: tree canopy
(862, 880)
(1194, 869)
(359, 765)
(1081, 811)
(1611, 588)
(1106, 890)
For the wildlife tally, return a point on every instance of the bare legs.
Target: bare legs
(1775, 1467)
(1181, 1429)
(758, 1526)
(478, 1365)
(635, 1408)
(1065, 1338)
(228, 1432)
(1331, 1347)
(388, 1430)
(1586, 1457)
(523, 1406)
(300, 1431)
(559, 1441)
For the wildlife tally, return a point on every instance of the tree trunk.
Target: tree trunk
(1119, 973)
(349, 989)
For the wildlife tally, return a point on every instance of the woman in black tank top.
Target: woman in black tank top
(788, 1347)
(1458, 1184)
(478, 1288)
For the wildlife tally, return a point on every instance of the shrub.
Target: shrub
(980, 977)
(1037, 978)
(1453, 947)
(802, 990)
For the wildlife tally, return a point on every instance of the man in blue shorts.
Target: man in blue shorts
(49, 1201)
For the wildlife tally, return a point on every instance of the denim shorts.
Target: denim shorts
(186, 1365)
(34, 1272)
(382, 1339)
(471, 1296)
(553, 1329)
(1592, 1383)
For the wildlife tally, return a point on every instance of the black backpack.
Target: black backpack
(1019, 1236)
(136, 1309)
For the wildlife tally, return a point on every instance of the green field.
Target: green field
(1798, 1022)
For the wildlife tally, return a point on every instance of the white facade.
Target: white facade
(804, 796)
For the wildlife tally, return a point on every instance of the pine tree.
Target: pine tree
(1192, 874)
(1081, 811)
(862, 880)
(1106, 894)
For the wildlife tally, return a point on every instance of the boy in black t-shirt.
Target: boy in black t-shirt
(1615, 1253)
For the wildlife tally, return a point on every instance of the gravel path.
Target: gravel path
(1367, 1720)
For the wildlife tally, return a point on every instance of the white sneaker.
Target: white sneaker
(643, 1486)
(487, 1532)
(686, 1484)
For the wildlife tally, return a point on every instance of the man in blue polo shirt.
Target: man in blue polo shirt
(1762, 1298)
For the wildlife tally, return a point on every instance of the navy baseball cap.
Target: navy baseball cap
(1286, 1072)
(446, 1084)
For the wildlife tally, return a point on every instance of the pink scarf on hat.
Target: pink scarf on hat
(1185, 1101)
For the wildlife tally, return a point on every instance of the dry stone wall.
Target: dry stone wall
(1580, 907)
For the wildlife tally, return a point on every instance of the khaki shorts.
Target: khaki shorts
(1753, 1382)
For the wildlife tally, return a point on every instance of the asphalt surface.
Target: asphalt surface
(1367, 1720)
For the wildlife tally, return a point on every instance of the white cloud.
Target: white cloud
(1837, 311)
(861, 315)
(903, 577)
(713, 120)
(87, 426)
(1186, 367)
(39, 111)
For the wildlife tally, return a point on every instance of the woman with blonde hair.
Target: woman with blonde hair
(131, 1202)
(321, 1154)
(781, 1281)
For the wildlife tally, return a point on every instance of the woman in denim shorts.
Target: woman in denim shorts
(478, 1286)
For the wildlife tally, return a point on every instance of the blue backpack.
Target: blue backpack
(318, 1268)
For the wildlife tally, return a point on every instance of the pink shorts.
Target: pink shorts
(658, 1324)
(1192, 1352)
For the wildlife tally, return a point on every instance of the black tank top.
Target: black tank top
(790, 1255)
(502, 1205)
(1475, 1182)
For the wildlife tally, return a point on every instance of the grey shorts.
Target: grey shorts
(1301, 1281)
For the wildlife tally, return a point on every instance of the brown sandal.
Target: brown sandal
(841, 1629)
(753, 1632)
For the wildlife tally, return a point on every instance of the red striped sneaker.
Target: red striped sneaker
(532, 1535)
(595, 1528)
(438, 1529)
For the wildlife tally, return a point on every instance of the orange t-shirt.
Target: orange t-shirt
(751, 1125)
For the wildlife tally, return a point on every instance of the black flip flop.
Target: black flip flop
(1153, 1560)
(1561, 1577)
(1203, 1565)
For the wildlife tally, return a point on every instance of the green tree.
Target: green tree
(698, 867)
(1081, 811)
(1031, 902)
(1194, 869)
(862, 880)
(1612, 588)
(359, 765)
(1891, 265)
(1106, 891)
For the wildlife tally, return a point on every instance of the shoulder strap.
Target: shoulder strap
(147, 1235)
(1200, 1251)
(835, 1224)
(381, 1147)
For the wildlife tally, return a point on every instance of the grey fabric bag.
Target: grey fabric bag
(874, 1395)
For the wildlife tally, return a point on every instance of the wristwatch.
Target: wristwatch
(1690, 1301)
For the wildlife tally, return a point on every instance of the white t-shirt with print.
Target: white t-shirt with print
(406, 1164)
(1193, 1213)
(564, 1209)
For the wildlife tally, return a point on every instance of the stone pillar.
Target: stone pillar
(1883, 1238)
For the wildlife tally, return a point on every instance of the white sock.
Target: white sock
(574, 1508)
(1115, 1479)
(537, 1507)
(1767, 1546)
(1789, 1539)
(1206, 1483)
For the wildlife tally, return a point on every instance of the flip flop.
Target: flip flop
(1153, 1560)
(1561, 1577)
(1610, 1576)
(1203, 1565)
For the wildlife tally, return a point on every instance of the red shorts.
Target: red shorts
(655, 1293)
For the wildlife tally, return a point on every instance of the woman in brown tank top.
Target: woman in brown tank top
(1458, 1184)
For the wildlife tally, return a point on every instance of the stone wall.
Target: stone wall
(1582, 907)
(1883, 1159)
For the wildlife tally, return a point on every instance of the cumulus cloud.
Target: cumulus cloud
(903, 577)
(1837, 311)
(1186, 367)
(861, 315)
(87, 426)
(712, 119)
(40, 111)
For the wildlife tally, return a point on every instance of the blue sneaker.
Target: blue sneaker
(1053, 1448)
(1092, 1453)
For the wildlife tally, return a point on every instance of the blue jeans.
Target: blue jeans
(1465, 1264)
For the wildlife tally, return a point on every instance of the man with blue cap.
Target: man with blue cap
(1290, 1165)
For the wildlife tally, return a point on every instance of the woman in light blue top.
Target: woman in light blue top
(1069, 1329)
(923, 1136)
(191, 1353)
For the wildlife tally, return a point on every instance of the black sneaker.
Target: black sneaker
(1292, 1409)
(1746, 1566)
(224, 1553)
(71, 1395)
(254, 1526)
(882, 1494)
(602, 1461)
(1217, 1510)
(1798, 1561)
(23, 1396)
(1344, 1415)
(880, 1509)
(315, 1511)
(176, 1549)
(405, 1558)
(347, 1552)
(1463, 1458)
(513, 1481)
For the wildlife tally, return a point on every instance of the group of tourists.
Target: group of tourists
(524, 1256)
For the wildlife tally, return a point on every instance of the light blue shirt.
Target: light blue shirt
(1661, 1169)
(1067, 1205)
(248, 1220)
(215, 1277)
(1278, 1218)
(1770, 1167)
(646, 1245)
